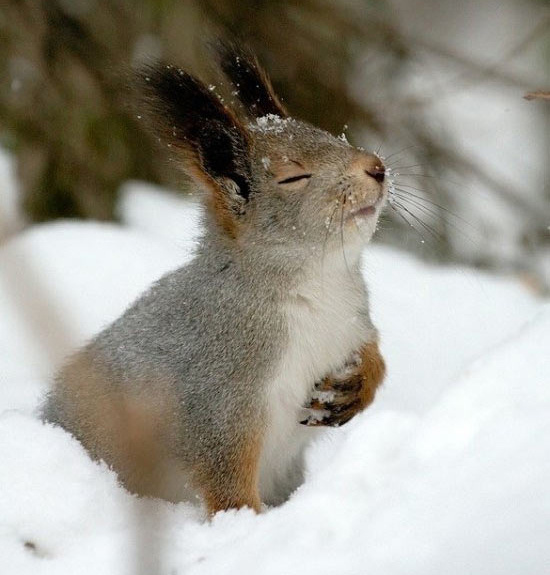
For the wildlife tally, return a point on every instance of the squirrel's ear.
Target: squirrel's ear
(253, 87)
(205, 135)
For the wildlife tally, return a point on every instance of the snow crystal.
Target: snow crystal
(323, 396)
(270, 123)
(315, 415)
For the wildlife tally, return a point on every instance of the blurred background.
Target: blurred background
(437, 86)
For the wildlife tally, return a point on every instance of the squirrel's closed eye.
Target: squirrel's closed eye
(293, 179)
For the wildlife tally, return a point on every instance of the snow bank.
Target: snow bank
(447, 473)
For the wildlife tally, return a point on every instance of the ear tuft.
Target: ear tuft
(191, 118)
(254, 88)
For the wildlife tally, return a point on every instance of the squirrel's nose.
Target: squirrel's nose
(371, 165)
(378, 172)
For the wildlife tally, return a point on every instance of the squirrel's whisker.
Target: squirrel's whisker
(399, 186)
(399, 206)
(433, 213)
(436, 235)
(400, 151)
(402, 216)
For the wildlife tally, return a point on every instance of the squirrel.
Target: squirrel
(212, 383)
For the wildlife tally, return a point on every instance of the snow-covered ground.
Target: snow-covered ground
(448, 472)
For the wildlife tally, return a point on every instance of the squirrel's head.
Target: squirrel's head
(272, 180)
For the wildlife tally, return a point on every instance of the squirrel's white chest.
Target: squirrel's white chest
(325, 325)
(326, 322)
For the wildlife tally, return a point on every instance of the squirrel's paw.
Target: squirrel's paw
(334, 401)
(339, 397)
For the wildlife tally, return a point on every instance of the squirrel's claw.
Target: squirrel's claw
(338, 416)
(343, 414)
(334, 403)
(344, 385)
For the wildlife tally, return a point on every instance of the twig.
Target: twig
(538, 95)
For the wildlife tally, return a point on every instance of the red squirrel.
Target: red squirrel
(217, 377)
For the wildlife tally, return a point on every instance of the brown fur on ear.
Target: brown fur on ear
(253, 86)
(217, 201)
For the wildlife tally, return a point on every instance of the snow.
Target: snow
(270, 123)
(448, 472)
